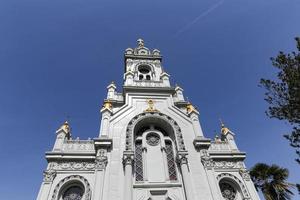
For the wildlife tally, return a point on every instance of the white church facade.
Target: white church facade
(150, 147)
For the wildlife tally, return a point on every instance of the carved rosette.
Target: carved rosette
(101, 159)
(49, 175)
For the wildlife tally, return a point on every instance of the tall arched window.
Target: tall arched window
(154, 155)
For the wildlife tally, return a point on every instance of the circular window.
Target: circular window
(152, 139)
(73, 193)
(228, 192)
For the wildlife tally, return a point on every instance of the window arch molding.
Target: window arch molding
(70, 181)
(161, 120)
(234, 182)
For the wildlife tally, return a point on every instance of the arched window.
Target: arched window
(144, 72)
(231, 187)
(154, 155)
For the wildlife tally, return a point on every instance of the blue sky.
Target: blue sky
(58, 56)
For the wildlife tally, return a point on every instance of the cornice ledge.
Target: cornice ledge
(201, 142)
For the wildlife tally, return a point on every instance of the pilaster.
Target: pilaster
(187, 182)
(128, 159)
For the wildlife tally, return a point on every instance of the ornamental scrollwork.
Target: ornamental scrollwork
(245, 174)
(49, 175)
(73, 165)
(206, 160)
(128, 158)
(182, 158)
(101, 159)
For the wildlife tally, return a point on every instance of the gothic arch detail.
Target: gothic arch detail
(236, 181)
(70, 180)
(134, 121)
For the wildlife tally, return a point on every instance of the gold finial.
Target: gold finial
(224, 129)
(107, 104)
(66, 127)
(151, 106)
(190, 108)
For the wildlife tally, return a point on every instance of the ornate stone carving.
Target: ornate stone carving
(245, 174)
(228, 165)
(72, 179)
(73, 165)
(206, 160)
(49, 175)
(101, 159)
(182, 159)
(78, 145)
(128, 158)
(136, 119)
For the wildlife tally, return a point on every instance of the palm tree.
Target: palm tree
(271, 181)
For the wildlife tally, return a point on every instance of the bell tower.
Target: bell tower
(143, 67)
(150, 146)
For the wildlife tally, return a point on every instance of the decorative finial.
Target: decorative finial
(151, 106)
(224, 129)
(65, 127)
(140, 42)
(107, 105)
(190, 108)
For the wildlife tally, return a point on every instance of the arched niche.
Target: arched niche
(74, 181)
(232, 182)
(165, 123)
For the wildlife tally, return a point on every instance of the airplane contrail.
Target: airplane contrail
(212, 8)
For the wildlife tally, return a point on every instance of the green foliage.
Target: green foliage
(271, 181)
(283, 94)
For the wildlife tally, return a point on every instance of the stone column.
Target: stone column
(128, 158)
(183, 162)
(49, 176)
(100, 165)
